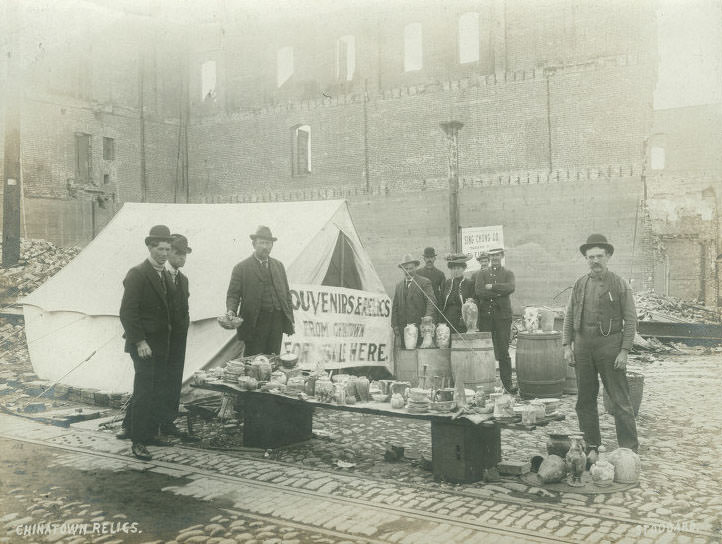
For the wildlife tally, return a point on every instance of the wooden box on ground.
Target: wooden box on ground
(461, 450)
(269, 423)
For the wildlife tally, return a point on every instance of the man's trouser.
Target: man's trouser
(142, 415)
(500, 336)
(595, 355)
(169, 385)
(267, 336)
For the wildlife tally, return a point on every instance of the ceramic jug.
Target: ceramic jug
(427, 332)
(411, 335)
(443, 335)
(576, 460)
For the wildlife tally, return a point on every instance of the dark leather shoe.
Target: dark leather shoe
(124, 434)
(141, 452)
(158, 441)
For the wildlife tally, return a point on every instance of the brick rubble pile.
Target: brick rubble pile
(39, 260)
(652, 306)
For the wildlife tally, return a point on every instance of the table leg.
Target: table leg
(461, 450)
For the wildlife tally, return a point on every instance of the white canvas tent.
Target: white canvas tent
(74, 315)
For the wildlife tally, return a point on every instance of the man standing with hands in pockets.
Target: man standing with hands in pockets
(599, 328)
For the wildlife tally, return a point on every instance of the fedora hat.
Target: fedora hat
(597, 240)
(408, 258)
(429, 252)
(180, 244)
(264, 233)
(158, 233)
(457, 259)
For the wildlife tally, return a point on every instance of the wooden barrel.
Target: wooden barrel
(472, 360)
(437, 362)
(570, 384)
(540, 366)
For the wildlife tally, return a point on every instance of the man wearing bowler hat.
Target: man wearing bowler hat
(258, 292)
(599, 328)
(413, 298)
(431, 273)
(493, 287)
(146, 318)
(170, 385)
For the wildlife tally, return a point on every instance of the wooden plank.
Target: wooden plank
(681, 331)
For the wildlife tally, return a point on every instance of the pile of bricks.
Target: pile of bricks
(39, 260)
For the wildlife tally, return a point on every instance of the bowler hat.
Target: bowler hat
(180, 244)
(597, 240)
(158, 233)
(429, 252)
(264, 233)
(408, 258)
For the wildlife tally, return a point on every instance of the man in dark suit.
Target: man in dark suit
(259, 287)
(145, 316)
(493, 287)
(170, 383)
(413, 298)
(433, 274)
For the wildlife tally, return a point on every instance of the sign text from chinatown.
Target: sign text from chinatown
(342, 327)
(475, 240)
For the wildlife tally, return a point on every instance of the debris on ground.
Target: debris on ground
(39, 260)
(652, 306)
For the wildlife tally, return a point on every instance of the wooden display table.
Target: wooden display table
(461, 448)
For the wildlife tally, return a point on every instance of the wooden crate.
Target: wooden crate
(460, 450)
(270, 423)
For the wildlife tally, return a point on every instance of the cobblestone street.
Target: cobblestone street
(677, 500)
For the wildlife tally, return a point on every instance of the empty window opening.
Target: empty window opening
(83, 161)
(301, 153)
(345, 58)
(413, 54)
(108, 149)
(657, 158)
(469, 37)
(284, 65)
(106, 179)
(208, 80)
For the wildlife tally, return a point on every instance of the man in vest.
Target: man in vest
(599, 329)
(259, 293)
(493, 287)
